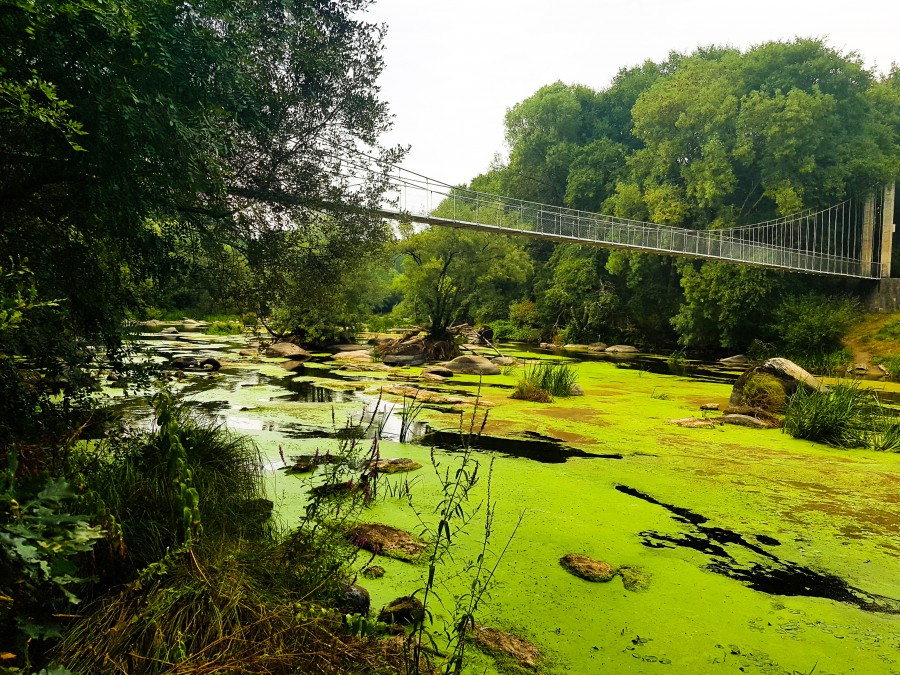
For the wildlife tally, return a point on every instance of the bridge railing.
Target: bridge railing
(760, 245)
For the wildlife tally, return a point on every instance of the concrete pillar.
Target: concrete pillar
(887, 229)
(868, 236)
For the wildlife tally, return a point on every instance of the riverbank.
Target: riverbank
(764, 553)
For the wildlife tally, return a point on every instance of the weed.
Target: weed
(842, 416)
(659, 396)
(543, 380)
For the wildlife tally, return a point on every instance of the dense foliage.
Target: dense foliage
(716, 138)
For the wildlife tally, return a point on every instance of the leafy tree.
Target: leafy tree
(451, 276)
(227, 119)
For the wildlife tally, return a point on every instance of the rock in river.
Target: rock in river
(386, 540)
(287, 350)
(587, 568)
(408, 609)
(621, 349)
(522, 651)
(396, 465)
(472, 365)
(789, 375)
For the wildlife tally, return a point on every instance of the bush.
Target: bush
(225, 328)
(134, 482)
(542, 380)
(765, 392)
(812, 325)
(843, 416)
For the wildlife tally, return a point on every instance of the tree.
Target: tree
(228, 119)
(451, 276)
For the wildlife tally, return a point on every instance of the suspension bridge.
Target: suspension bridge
(851, 239)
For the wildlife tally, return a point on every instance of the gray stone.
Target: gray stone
(789, 374)
(621, 349)
(355, 600)
(287, 350)
(171, 330)
(210, 364)
(576, 390)
(437, 370)
(293, 366)
(337, 349)
(356, 356)
(504, 360)
(472, 365)
(709, 406)
(736, 360)
(745, 421)
(403, 359)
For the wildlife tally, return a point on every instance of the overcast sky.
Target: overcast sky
(453, 67)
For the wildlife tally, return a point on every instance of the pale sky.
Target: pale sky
(453, 67)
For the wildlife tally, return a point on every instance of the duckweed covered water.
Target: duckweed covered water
(758, 553)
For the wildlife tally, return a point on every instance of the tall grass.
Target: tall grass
(133, 481)
(234, 610)
(542, 380)
(845, 416)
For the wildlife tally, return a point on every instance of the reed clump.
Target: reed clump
(844, 416)
(543, 380)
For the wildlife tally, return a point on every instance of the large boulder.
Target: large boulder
(356, 356)
(287, 350)
(472, 365)
(787, 373)
(505, 360)
(350, 347)
(354, 600)
(621, 349)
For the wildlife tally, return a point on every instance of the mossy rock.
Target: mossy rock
(515, 651)
(373, 572)
(765, 392)
(395, 465)
(388, 541)
(587, 568)
(408, 609)
(635, 578)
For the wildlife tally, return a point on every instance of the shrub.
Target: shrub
(765, 392)
(843, 416)
(542, 380)
(225, 328)
(527, 391)
(814, 324)
(133, 481)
